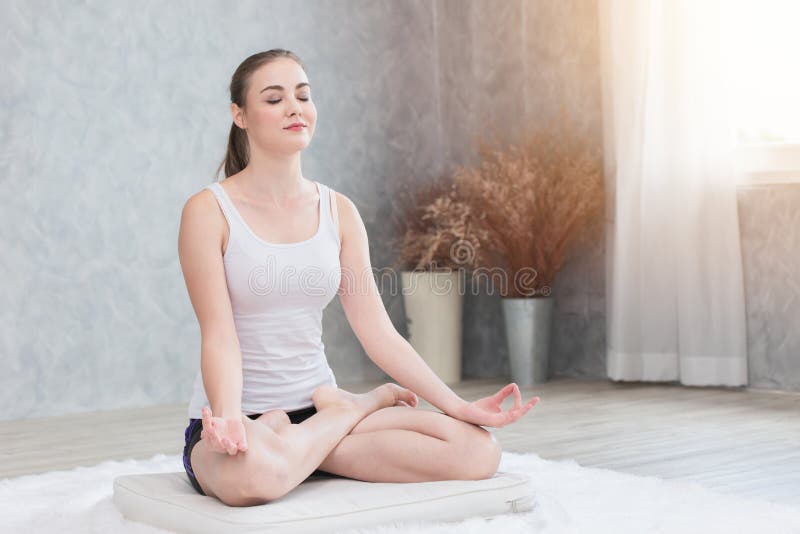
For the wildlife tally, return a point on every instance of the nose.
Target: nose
(295, 108)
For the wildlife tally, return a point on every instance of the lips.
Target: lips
(294, 126)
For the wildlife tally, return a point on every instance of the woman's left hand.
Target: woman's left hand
(489, 412)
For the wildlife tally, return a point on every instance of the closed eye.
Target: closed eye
(276, 101)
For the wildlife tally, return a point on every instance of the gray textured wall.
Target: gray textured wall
(115, 113)
(769, 222)
(120, 113)
(524, 61)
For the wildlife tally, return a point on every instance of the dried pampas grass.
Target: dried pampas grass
(518, 211)
(438, 231)
(533, 198)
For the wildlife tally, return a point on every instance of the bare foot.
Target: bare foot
(382, 396)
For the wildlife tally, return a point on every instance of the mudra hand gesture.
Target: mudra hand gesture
(224, 435)
(488, 411)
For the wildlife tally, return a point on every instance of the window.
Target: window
(764, 44)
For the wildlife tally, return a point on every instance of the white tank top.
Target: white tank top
(278, 292)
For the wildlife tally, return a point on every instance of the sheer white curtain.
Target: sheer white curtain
(675, 290)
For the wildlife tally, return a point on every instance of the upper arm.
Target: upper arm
(358, 292)
(199, 249)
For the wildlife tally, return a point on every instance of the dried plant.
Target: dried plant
(533, 198)
(440, 230)
(519, 210)
(408, 208)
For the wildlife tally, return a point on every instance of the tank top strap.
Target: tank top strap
(334, 212)
(222, 200)
(328, 200)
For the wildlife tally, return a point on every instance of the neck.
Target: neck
(274, 179)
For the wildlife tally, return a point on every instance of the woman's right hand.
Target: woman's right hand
(223, 435)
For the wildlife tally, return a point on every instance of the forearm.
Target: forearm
(399, 360)
(221, 367)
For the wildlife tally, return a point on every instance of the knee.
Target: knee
(238, 492)
(266, 481)
(494, 455)
(238, 497)
(253, 478)
(483, 456)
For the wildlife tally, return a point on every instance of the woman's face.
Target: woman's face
(270, 110)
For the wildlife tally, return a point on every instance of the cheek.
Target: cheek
(311, 112)
(268, 115)
(275, 116)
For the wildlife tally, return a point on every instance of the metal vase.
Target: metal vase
(527, 324)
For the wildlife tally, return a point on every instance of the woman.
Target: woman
(246, 245)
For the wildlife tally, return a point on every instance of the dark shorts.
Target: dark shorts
(192, 436)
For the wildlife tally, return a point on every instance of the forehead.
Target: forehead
(284, 72)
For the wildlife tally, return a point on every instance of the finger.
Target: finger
(525, 409)
(208, 421)
(243, 441)
(517, 397)
(213, 442)
(515, 414)
(208, 424)
(500, 419)
(505, 419)
(505, 392)
(216, 441)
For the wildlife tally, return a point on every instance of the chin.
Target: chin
(299, 144)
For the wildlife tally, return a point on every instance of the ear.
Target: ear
(238, 115)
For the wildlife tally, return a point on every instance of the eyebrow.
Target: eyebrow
(280, 87)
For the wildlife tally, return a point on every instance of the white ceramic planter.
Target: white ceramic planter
(434, 304)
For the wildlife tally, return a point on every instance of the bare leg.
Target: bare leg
(401, 444)
(310, 442)
(396, 455)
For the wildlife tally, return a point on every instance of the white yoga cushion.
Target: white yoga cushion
(319, 504)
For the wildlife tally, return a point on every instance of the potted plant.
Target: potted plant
(438, 241)
(532, 199)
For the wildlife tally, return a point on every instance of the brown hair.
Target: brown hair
(238, 154)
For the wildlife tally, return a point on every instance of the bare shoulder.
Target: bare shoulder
(200, 203)
(201, 218)
(351, 226)
(349, 217)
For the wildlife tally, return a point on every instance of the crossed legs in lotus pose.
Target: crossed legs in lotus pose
(370, 437)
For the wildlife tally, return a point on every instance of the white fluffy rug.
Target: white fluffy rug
(569, 499)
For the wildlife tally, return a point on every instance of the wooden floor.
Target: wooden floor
(736, 441)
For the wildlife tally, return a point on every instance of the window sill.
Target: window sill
(769, 163)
